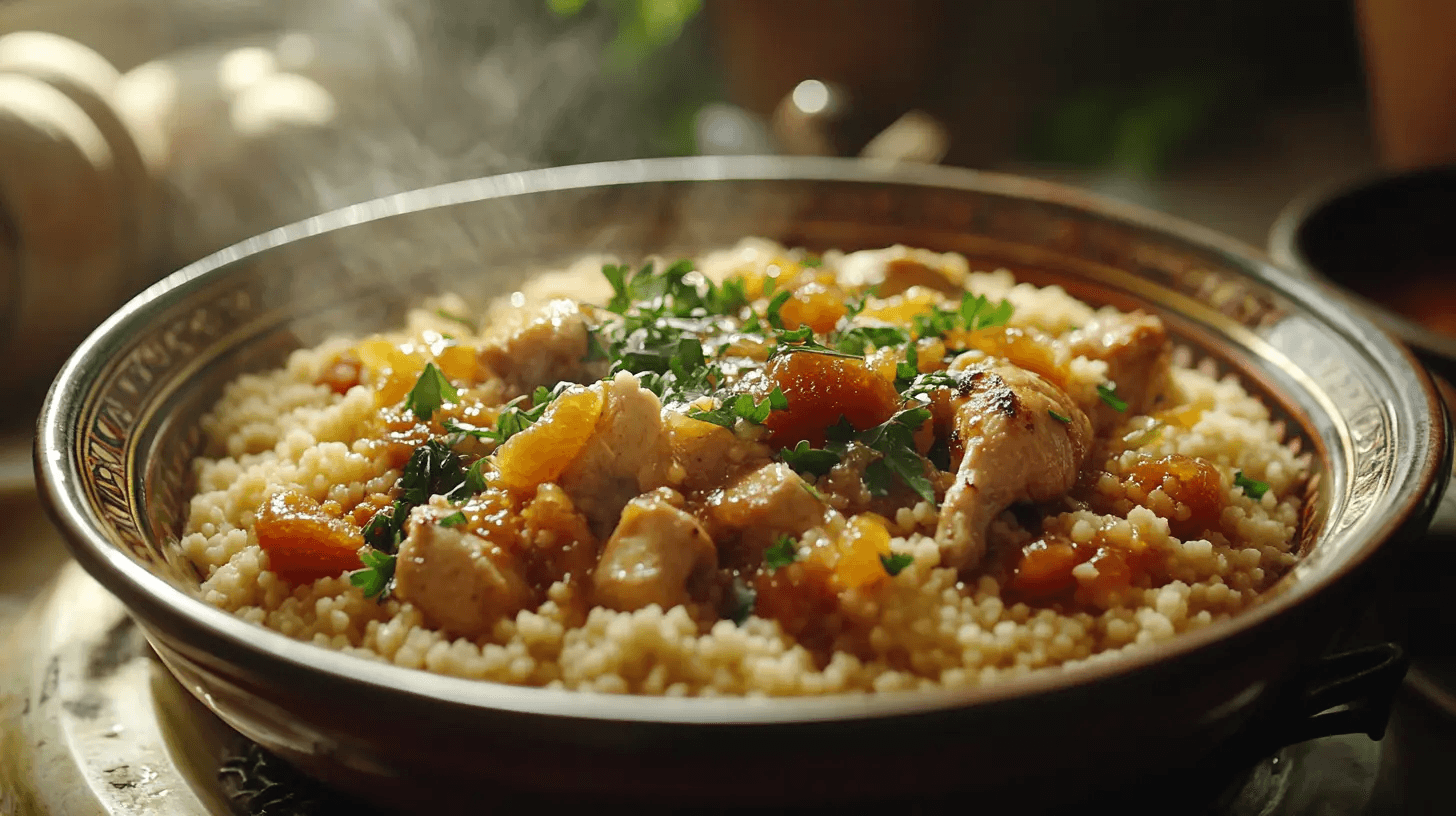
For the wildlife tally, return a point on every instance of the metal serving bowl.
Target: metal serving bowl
(120, 427)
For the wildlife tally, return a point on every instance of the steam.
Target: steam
(349, 100)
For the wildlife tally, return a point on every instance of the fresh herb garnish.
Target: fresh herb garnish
(376, 576)
(1108, 393)
(896, 562)
(1058, 417)
(894, 439)
(455, 519)
(777, 303)
(381, 532)
(430, 392)
(926, 383)
(455, 318)
(783, 553)
(909, 369)
(858, 339)
(474, 483)
(973, 313)
(512, 419)
(1253, 488)
(743, 406)
(804, 459)
(811, 262)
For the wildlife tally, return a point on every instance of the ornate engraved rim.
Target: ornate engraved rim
(189, 620)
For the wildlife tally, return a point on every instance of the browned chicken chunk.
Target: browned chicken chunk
(462, 582)
(627, 455)
(710, 455)
(1135, 348)
(653, 553)
(1024, 440)
(764, 504)
(541, 349)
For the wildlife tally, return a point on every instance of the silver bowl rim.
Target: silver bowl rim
(157, 602)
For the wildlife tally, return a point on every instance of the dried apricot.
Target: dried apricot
(1188, 480)
(303, 543)
(541, 452)
(820, 389)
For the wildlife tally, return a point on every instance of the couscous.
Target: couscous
(757, 472)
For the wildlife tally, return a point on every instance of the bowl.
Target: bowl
(1375, 238)
(119, 429)
(1386, 242)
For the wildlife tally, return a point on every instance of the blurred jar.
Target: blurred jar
(1410, 61)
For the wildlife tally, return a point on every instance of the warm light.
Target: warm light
(811, 96)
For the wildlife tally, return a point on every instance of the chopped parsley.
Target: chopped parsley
(857, 340)
(804, 459)
(455, 519)
(783, 553)
(1058, 417)
(775, 320)
(743, 407)
(974, 313)
(376, 576)
(909, 369)
(433, 469)
(894, 439)
(512, 419)
(1108, 393)
(474, 483)
(455, 318)
(430, 392)
(811, 262)
(1253, 488)
(896, 562)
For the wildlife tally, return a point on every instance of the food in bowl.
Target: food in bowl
(759, 472)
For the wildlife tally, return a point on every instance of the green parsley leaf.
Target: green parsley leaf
(1253, 488)
(857, 340)
(783, 553)
(927, 383)
(774, 319)
(841, 432)
(909, 369)
(743, 406)
(811, 262)
(896, 562)
(895, 441)
(382, 532)
(473, 484)
(1058, 417)
(878, 478)
(455, 318)
(376, 576)
(804, 459)
(455, 519)
(430, 392)
(744, 598)
(728, 299)
(1108, 393)
(433, 469)
(616, 275)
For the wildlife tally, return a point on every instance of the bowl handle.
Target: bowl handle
(1346, 693)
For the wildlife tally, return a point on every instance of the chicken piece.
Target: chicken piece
(462, 582)
(1135, 348)
(711, 455)
(627, 454)
(545, 349)
(1015, 450)
(893, 270)
(653, 553)
(763, 505)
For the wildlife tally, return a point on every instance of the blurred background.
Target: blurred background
(139, 135)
